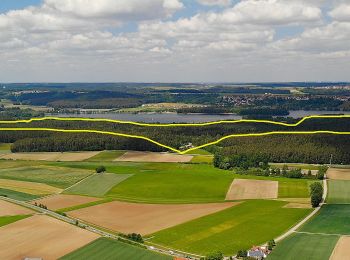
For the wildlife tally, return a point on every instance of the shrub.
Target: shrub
(316, 192)
(100, 169)
(215, 256)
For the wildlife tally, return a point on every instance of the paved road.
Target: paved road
(103, 233)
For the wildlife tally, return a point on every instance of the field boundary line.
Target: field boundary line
(169, 147)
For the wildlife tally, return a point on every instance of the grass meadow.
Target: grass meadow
(250, 223)
(17, 195)
(338, 192)
(304, 246)
(59, 177)
(97, 185)
(104, 248)
(331, 219)
(106, 156)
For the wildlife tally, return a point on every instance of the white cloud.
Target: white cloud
(341, 13)
(214, 2)
(120, 9)
(242, 41)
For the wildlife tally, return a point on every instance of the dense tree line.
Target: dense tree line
(278, 148)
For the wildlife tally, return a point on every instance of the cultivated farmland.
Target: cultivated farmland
(41, 236)
(304, 246)
(144, 218)
(338, 174)
(17, 195)
(60, 177)
(252, 189)
(106, 156)
(28, 187)
(239, 227)
(50, 156)
(104, 248)
(342, 249)
(332, 219)
(9, 209)
(153, 157)
(98, 184)
(338, 192)
(64, 201)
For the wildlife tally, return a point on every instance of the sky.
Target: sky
(174, 40)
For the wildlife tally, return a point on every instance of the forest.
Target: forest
(275, 148)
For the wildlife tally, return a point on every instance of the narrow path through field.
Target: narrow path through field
(322, 234)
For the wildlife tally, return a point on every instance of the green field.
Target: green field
(10, 219)
(170, 182)
(5, 148)
(332, 219)
(202, 159)
(199, 152)
(304, 246)
(106, 156)
(240, 227)
(59, 177)
(293, 188)
(17, 195)
(97, 185)
(105, 248)
(176, 183)
(338, 192)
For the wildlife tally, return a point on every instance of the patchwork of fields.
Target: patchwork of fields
(183, 206)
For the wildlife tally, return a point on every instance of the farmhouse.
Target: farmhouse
(258, 252)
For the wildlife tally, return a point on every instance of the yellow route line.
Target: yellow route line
(171, 148)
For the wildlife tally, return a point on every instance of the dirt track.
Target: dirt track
(64, 201)
(252, 189)
(42, 237)
(342, 249)
(153, 157)
(338, 174)
(144, 218)
(9, 209)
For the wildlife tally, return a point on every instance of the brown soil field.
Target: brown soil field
(63, 157)
(10, 209)
(28, 187)
(61, 201)
(144, 218)
(252, 189)
(342, 249)
(43, 237)
(338, 174)
(153, 157)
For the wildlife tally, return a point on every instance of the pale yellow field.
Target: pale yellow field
(338, 174)
(252, 189)
(41, 236)
(342, 249)
(28, 187)
(10, 209)
(134, 156)
(60, 201)
(63, 157)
